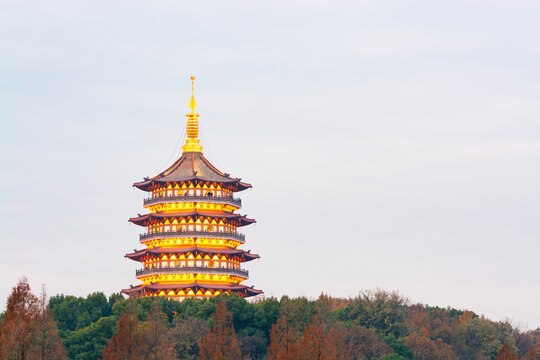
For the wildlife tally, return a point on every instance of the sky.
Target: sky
(391, 144)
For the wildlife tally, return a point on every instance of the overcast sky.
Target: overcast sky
(391, 144)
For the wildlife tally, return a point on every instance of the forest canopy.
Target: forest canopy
(373, 325)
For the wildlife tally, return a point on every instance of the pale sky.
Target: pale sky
(391, 144)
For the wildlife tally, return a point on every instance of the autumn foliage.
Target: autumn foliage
(28, 330)
(220, 343)
(374, 325)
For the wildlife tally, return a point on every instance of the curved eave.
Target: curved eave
(143, 220)
(249, 291)
(146, 185)
(138, 255)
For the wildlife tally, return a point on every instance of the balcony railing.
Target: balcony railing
(188, 270)
(206, 234)
(229, 200)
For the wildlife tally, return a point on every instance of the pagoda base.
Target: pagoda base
(192, 290)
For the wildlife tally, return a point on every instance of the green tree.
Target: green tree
(88, 343)
(484, 337)
(399, 346)
(186, 335)
(378, 310)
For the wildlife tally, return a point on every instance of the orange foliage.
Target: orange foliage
(283, 340)
(313, 344)
(127, 343)
(220, 342)
(466, 317)
(28, 330)
(506, 353)
(532, 354)
(424, 348)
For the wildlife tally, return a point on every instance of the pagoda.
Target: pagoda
(191, 244)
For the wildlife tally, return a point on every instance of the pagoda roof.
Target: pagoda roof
(250, 291)
(137, 255)
(144, 219)
(192, 166)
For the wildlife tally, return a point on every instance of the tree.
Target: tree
(156, 336)
(532, 354)
(338, 347)
(48, 342)
(28, 330)
(314, 341)
(484, 337)
(506, 352)
(378, 310)
(424, 348)
(355, 342)
(283, 339)
(88, 343)
(127, 343)
(186, 335)
(220, 342)
(19, 325)
(399, 346)
(253, 347)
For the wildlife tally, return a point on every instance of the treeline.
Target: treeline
(374, 325)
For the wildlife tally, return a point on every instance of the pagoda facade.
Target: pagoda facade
(191, 243)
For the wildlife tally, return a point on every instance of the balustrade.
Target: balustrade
(229, 200)
(199, 269)
(184, 233)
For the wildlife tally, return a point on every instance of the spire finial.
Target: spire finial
(192, 128)
(192, 103)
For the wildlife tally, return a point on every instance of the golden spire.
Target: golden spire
(192, 129)
(192, 103)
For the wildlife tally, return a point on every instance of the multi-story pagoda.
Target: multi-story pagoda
(191, 240)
